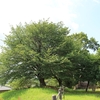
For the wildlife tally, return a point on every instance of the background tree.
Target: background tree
(82, 60)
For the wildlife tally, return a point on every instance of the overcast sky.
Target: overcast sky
(78, 15)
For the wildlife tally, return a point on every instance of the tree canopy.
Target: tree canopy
(42, 50)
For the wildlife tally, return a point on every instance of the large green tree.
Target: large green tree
(35, 50)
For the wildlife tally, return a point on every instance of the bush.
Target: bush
(23, 83)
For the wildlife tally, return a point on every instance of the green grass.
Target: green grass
(46, 94)
(82, 95)
(28, 94)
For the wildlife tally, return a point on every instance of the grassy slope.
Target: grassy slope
(46, 94)
(28, 94)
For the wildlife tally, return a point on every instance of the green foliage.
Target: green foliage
(33, 50)
(86, 66)
(23, 83)
(52, 82)
(45, 50)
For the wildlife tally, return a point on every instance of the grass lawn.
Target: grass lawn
(82, 95)
(46, 94)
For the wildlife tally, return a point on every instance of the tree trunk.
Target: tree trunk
(42, 82)
(57, 78)
(93, 87)
(87, 86)
(60, 82)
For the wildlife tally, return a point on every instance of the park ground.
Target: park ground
(47, 93)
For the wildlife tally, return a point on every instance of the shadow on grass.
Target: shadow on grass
(13, 94)
(83, 93)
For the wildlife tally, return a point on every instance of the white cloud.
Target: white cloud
(15, 11)
(12, 12)
(75, 26)
(97, 1)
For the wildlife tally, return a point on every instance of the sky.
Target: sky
(78, 15)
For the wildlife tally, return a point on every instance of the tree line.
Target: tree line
(43, 50)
